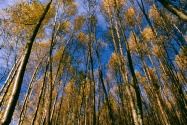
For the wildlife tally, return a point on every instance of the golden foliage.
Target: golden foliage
(72, 9)
(130, 12)
(181, 78)
(68, 1)
(118, 3)
(114, 61)
(58, 55)
(87, 87)
(135, 45)
(162, 39)
(40, 49)
(181, 59)
(82, 37)
(109, 5)
(166, 90)
(130, 15)
(79, 22)
(154, 14)
(132, 41)
(26, 16)
(64, 26)
(159, 39)
(143, 48)
(69, 86)
(183, 51)
(61, 59)
(153, 78)
(157, 51)
(141, 78)
(147, 34)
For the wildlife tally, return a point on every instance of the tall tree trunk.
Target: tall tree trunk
(164, 117)
(42, 92)
(104, 88)
(8, 82)
(29, 91)
(10, 76)
(131, 67)
(92, 82)
(174, 10)
(19, 78)
(122, 71)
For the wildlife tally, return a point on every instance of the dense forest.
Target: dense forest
(93, 62)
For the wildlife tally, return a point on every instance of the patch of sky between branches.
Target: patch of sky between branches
(101, 20)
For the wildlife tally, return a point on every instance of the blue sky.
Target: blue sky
(6, 3)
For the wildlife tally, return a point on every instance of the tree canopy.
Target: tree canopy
(93, 62)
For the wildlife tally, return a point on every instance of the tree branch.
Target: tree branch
(174, 10)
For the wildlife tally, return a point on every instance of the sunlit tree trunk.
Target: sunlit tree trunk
(174, 78)
(104, 88)
(152, 83)
(131, 67)
(122, 71)
(41, 94)
(21, 70)
(8, 82)
(28, 94)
